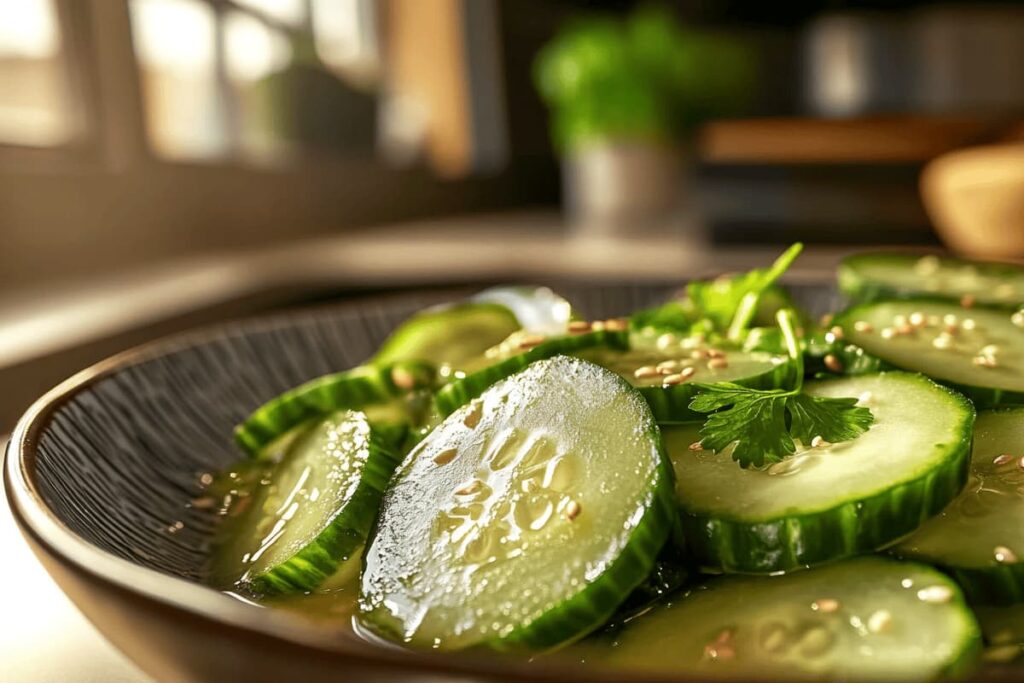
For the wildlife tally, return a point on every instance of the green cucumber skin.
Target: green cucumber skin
(598, 602)
(453, 396)
(671, 405)
(851, 528)
(861, 362)
(403, 342)
(319, 559)
(862, 290)
(352, 389)
(999, 585)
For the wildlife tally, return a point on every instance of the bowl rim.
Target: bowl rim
(36, 519)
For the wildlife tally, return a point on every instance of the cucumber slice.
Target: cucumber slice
(538, 309)
(979, 537)
(665, 378)
(312, 511)
(868, 618)
(353, 389)
(523, 520)
(448, 335)
(512, 358)
(832, 501)
(983, 358)
(873, 276)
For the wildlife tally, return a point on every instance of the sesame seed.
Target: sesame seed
(905, 328)
(933, 320)
(826, 605)
(530, 341)
(967, 300)
(943, 341)
(616, 324)
(888, 333)
(680, 377)
(467, 489)
(989, 350)
(968, 324)
(1020, 463)
(573, 510)
(836, 332)
(445, 457)
(899, 320)
(916, 319)
(1004, 554)
(950, 319)
(951, 329)
(716, 353)
(698, 354)
(1002, 459)
(863, 326)
(880, 621)
(646, 372)
(935, 594)
(696, 446)
(1018, 318)
(669, 365)
(984, 361)
(403, 378)
(864, 398)
(826, 319)
(666, 340)
(819, 442)
(718, 364)
(578, 326)
(833, 363)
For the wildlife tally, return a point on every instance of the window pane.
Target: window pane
(34, 99)
(292, 12)
(175, 42)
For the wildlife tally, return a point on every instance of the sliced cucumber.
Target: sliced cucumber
(867, 618)
(448, 335)
(978, 351)
(539, 310)
(873, 276)
(665, 378)
(523, 520)
(835, 500)
(979, 538)
(312, 511)
(353, 389)
(513, 357)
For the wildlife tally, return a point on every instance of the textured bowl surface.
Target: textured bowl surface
(102, 468)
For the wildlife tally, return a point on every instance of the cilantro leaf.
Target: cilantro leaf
(833, 419)
(761, 425)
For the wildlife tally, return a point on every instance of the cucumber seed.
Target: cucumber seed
(445, 457)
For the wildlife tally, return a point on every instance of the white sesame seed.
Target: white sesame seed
(943, 341)
(671, 380)
(888, 333)
(836, 332)
(1002, 459)
(819, 442)
(718, 364)
(696, 446)
(573, 510)
(833, 363)
(1004, 554)
(1018, 318)
(826, 605)
(880, 621)
(905, 328)
(989, 350)
(935, 594)
(950, 319)
(716, 353)
(899, 320)
(968, 324)
(1020, 463)
(666, 340)
(863, 326)
(646, 372)
(698, 354)
(984, 361)
(916, 319)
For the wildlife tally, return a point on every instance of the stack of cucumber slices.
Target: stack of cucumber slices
(714, 486)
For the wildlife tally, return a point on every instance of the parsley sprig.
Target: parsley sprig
(764, 423)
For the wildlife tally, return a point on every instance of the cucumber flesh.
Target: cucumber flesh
(868, 277)
(523, 520)
(538, 310)
(450, 335)
(867, 618)
(979, 538)
(668, 397)
(311, 511)
(354, 389)
(511, 356)
(833, 501)
(984, 358)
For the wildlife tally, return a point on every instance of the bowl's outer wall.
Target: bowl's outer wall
(118, 460)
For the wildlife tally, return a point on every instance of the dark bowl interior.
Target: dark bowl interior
(114, 456)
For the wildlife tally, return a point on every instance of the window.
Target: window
(35, 107)
(260, 80)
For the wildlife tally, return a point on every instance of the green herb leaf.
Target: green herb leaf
(833, 419)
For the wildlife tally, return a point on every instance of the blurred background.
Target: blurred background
(165, 163)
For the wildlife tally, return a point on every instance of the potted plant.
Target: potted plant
(623, 95)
